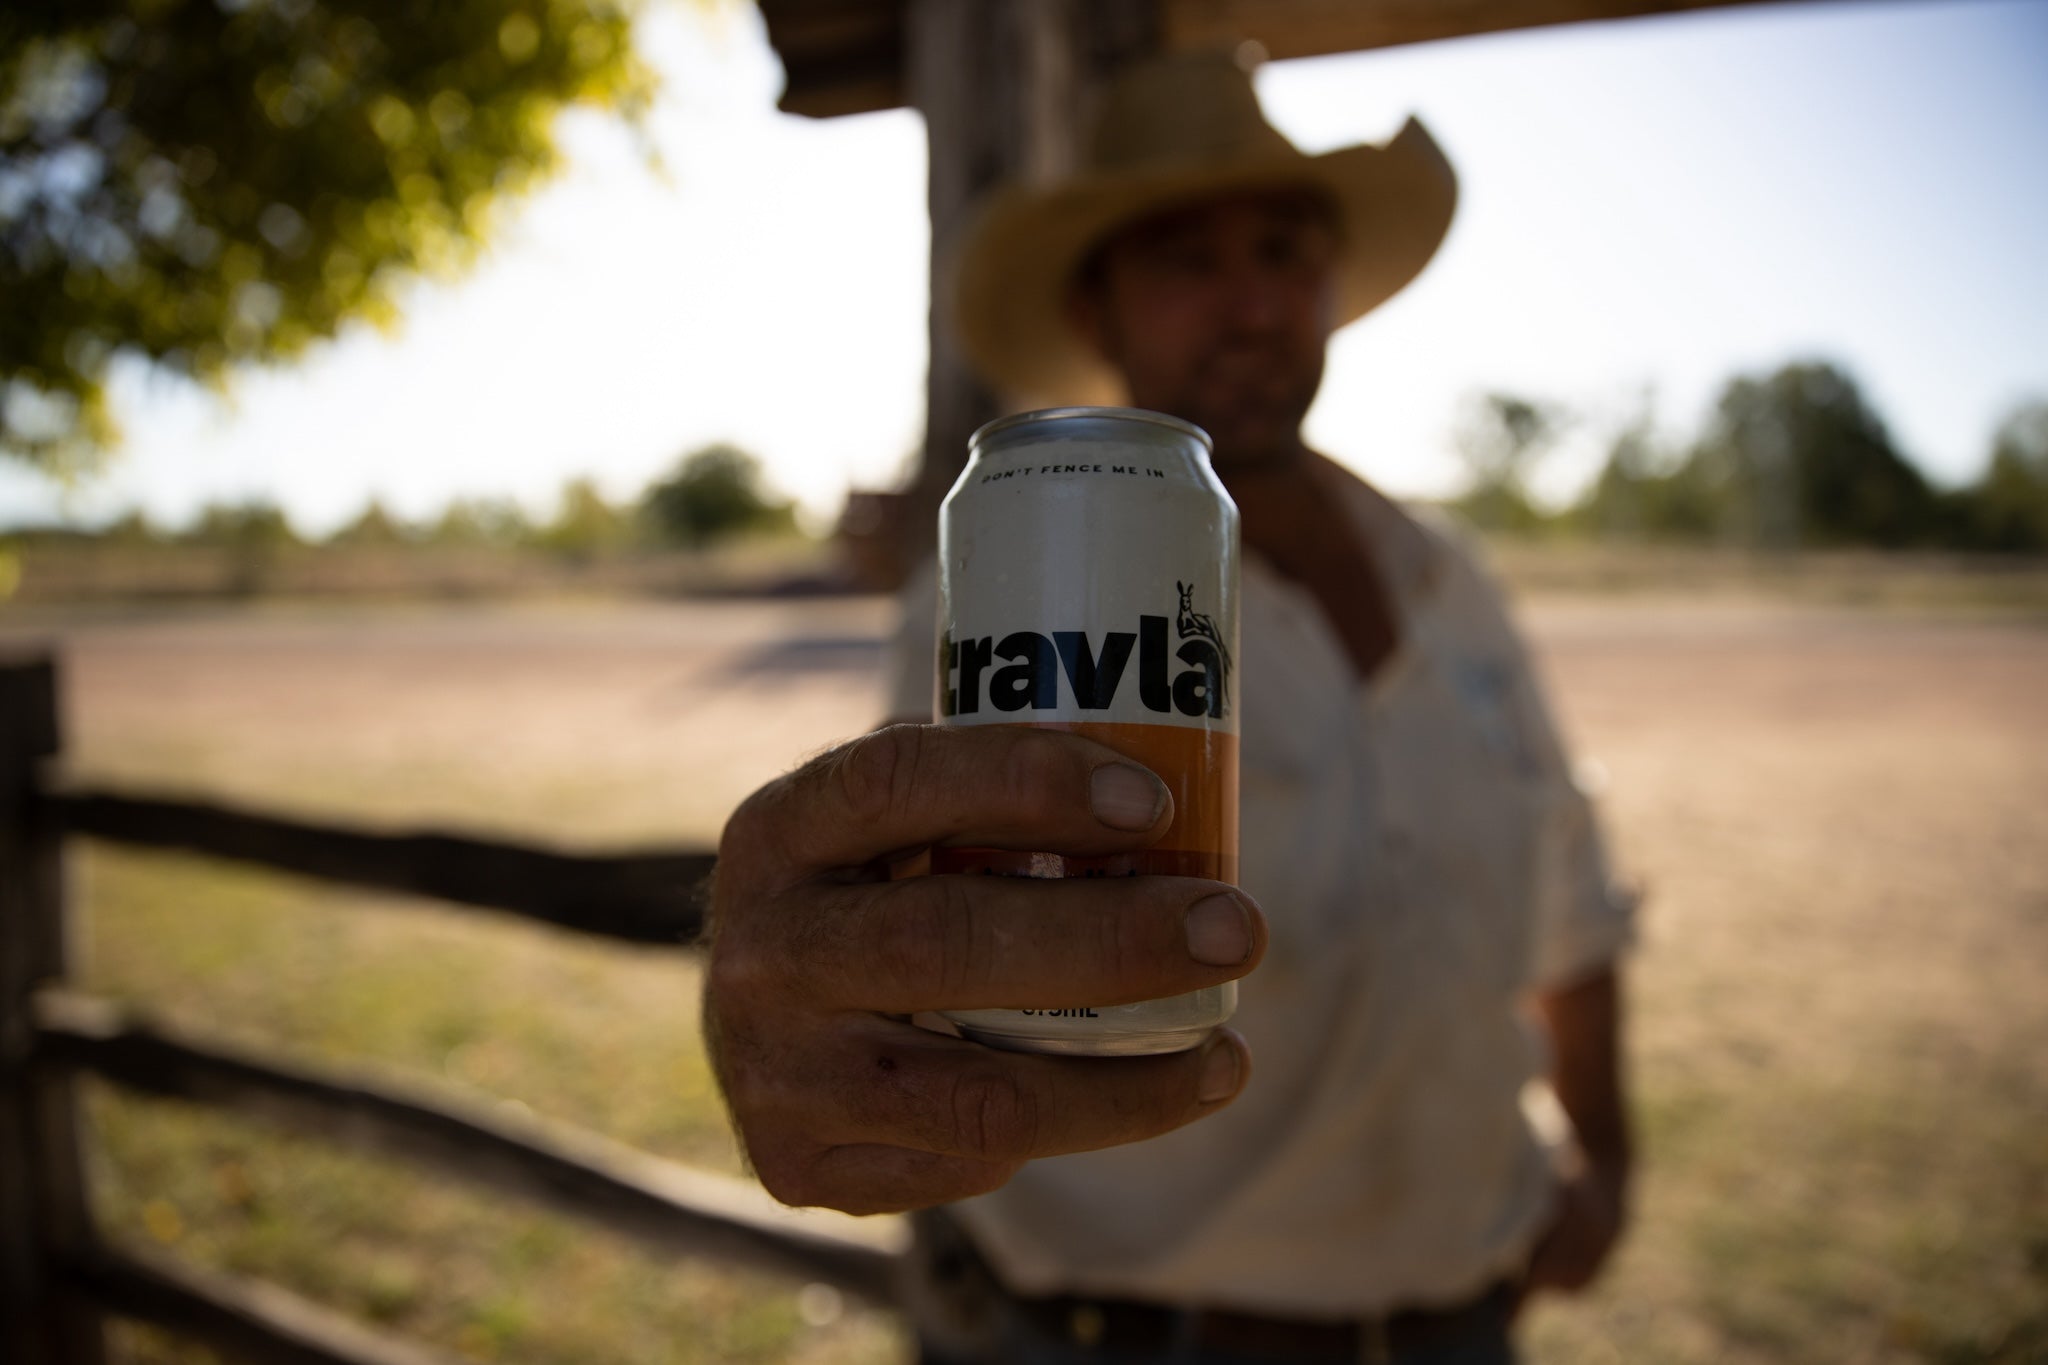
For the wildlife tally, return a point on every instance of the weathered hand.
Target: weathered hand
(818, 960)
(1588, 1222)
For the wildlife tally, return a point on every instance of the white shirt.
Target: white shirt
(1424, 860)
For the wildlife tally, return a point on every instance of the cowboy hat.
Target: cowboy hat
(1172, 131)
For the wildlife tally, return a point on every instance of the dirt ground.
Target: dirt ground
(1839, 818)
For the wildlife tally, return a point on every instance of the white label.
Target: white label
(1087, 590)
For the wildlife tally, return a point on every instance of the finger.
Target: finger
(904, 1088)
(916, 1119)
(964, 942)
(864, 1178)
(910, 786)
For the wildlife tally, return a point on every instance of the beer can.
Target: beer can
(1088, 582)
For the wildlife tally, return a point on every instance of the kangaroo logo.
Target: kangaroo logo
(1189, 623)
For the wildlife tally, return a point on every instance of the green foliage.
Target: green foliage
(212, 182)
(1647, 490)
(1799, 458)
(481, 522)
(248, 526)
(2010, 507)
(714, 493)
(585, 524)
(1500, 438)
(374, 526)
(131, 528)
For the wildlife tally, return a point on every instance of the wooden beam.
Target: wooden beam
(44, 1210)
(1313, 28)
(244, 1321)
(838, 56)
(976, 70)
(839, 60)
(667, 1206)
(640, 897)
(1005, 87)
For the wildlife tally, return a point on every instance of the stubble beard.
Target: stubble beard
(1252, 430)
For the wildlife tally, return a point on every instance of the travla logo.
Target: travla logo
(1033, 664)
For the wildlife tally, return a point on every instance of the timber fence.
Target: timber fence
(61, 1275)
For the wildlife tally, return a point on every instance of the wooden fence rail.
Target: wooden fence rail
(640, 897)
(257, 1323)
(673, 1209)
(58, 1276)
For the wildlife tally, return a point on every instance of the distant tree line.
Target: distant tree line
(711, 495)
(1796, 459)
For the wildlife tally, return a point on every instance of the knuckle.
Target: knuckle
(996, 1117)
(904, 939)
(744, 827)
(1160, 1101)
(735, 1045)
(1127, 944)
(876, 774)
(1037, 772)
(734, 839)
(735, 973)
(959, 936)
(924, 937)
(754, 837)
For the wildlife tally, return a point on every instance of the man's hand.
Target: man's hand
(1587, 1225)
(818, 961)
(1585, 1021)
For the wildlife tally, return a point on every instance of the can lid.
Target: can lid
(1019, 419)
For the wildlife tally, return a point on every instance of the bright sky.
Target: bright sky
(1648, 207)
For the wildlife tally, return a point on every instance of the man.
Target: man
(1441, 914)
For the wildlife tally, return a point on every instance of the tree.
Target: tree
(374, 525)
(1500, 437)
(1799, 458)
(585, 524)
(1649, 490)
(2008, 509)
(206, 183)
(474, 522)
(251, 527)
(256, 536)
(714, 493)
(130, 528)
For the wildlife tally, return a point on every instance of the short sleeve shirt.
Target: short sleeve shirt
(1425, 860)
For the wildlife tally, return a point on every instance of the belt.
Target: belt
(1113, 1325)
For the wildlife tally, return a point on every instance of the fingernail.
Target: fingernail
(1125, 797)
(1222, 1071)
(1219, 932)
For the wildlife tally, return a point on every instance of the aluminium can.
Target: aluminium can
(1088, 581)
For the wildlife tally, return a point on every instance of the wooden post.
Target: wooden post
(1005, 87)
(45, 1217)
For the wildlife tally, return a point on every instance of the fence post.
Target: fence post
(44, 1213)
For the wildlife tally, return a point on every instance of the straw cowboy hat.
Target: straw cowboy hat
(1171, 131)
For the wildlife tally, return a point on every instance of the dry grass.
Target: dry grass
(1842, 995)
(582, 726)
(1843, 990)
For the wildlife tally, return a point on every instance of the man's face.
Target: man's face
(1219, 313)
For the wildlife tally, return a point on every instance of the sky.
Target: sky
(1647, 208)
